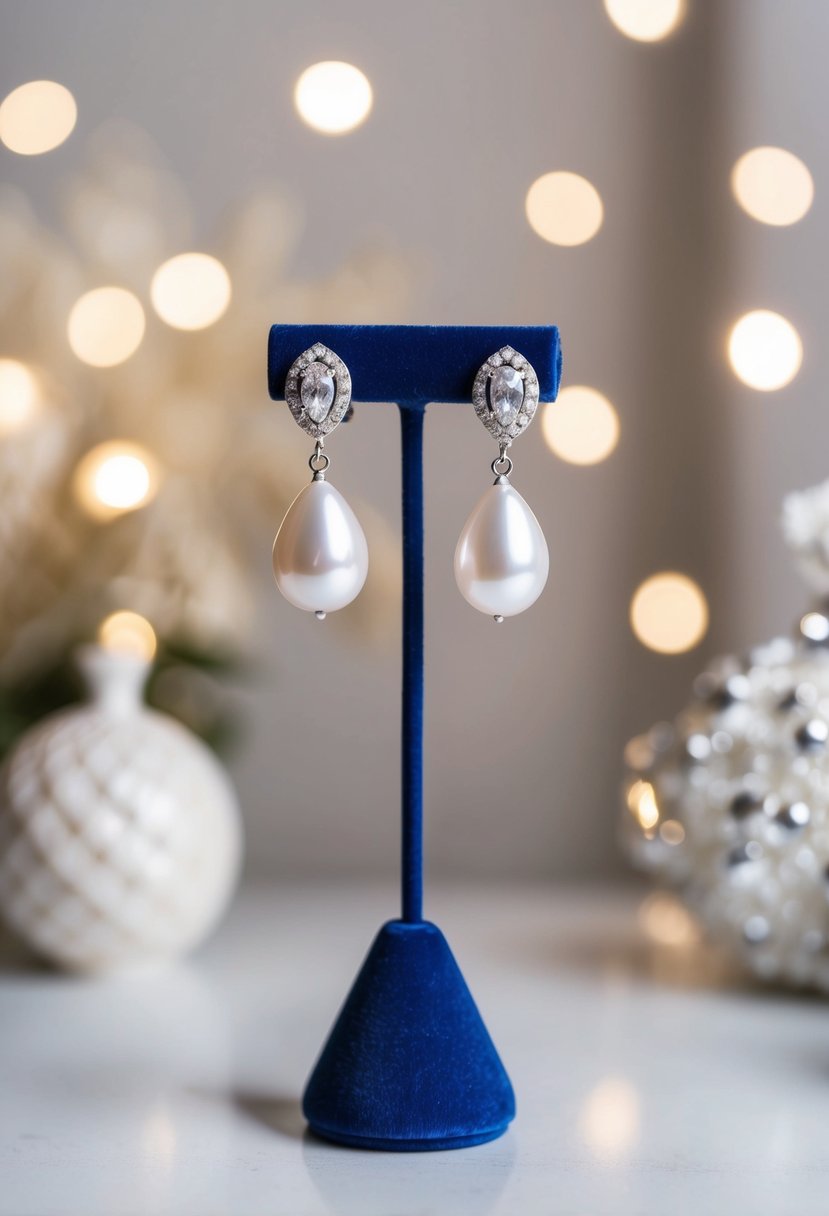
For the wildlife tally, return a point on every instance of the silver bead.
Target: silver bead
(745, 804)
(812, 734)
(756, 930)
(792, 817)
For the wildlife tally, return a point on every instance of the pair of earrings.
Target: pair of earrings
(320, 555)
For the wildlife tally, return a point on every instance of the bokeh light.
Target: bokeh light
(37, 117)
(128, 633)
(609, 1120)
(564, 208)
(641, 800)
(581, 427)
(815, 627)
(772, 185)
(665, 921)
(19, 396)
(669, 613)
(190, 291)
(672, 832)
(645, 20)
(333, 97)
(115, 477)
(106, 326)
(765, 350)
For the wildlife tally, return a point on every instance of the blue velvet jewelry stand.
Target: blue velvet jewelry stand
(409, 1065)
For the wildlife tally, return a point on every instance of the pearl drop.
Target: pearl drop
(320, 555)
(501, 562)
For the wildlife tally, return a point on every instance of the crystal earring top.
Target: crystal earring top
(318, 390)
(505, 394)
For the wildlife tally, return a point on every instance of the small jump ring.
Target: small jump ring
(319, 461)
(501, 466)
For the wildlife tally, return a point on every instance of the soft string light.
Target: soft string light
(669, 613)
(765, 350)
(128, 633)
(772, 185)
(645, 20)
(581, 427)
(106, 326)
(641, 800)
(191, 291)
(333, 97)
(19, 396)
(564, 208)
(115, 477)
(37, 117)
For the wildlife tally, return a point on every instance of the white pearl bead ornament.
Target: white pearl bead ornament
(320, 555)
(120, 835)
(501, 560)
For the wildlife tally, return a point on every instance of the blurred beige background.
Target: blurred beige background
(472, 102)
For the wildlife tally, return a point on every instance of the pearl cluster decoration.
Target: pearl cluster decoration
(806, 529)
(730, 804)
(120, 837)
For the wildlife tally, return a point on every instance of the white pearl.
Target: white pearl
(501, 562)
(320, 555)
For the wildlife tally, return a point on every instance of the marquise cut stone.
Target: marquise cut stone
(506, 394)
(317, 391)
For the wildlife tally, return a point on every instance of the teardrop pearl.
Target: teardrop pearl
(502, 561)
(320, 555)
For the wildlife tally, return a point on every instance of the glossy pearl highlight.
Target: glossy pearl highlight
(501, 561)
(320, 555)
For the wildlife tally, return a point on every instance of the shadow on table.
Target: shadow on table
(358, 1182)
(16, 959)
(279, 1113)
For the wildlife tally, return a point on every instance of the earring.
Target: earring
(320, 555)
(501, 561)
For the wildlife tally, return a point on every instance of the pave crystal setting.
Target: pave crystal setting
(318, 390)
(505, 394)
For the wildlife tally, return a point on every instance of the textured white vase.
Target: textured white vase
(120, 836)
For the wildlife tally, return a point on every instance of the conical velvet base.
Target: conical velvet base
(409, 1065)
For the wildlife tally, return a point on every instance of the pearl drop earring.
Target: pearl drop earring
(501, 560)
(320, 555)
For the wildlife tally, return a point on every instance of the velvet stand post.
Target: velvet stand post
(409, 1065)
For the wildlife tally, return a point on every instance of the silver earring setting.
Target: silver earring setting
(320, 555)
(501, 560)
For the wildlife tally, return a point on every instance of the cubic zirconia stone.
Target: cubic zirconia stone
(317, 391)
(506, 394)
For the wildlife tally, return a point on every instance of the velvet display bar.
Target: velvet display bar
(416, 364)
(409, 1064)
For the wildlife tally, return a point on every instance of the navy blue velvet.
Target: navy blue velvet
(416, 363)
(411, 735)
(409, 1065)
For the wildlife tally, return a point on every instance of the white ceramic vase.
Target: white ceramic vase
(120, 835)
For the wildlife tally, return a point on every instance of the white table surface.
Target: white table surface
(646, 1082)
